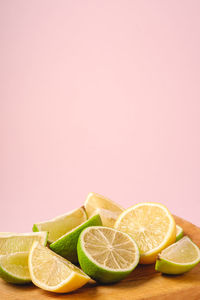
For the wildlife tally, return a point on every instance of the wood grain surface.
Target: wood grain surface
(143, 284)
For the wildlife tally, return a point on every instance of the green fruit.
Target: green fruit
(179, 233)
(62, 224)
(66, 246)
(14, 268)
(178, 258)
(14, 249)
(106, 254)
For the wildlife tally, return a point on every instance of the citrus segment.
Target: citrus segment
(62, 224)
(178, 258)
(52, 272)
(108, 209)
(66, 245)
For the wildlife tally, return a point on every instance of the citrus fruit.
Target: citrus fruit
(179, 232)
(52, 272)
(14, 268)
(178, 258)
(61, 224)
(106, 254)
(14, 250)
(21, 242)
(108, 210)
(151, 225)
(108, 217)
(66, 245)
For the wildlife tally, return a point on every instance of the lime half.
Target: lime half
(66, 245)
(178, 258)
(106, 254)
(61, 224)
(179, 233)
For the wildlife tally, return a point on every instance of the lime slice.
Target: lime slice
(14, 250)
(51, 272)
(66, 245)
(21, 242)
(178, 258)
(107, 209)
(62, 224)
(151, 225)
(106, 254)
(179, 233)
(14, 268)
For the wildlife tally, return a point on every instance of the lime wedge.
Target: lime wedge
(51, 272)
(178, 258)
(14, 249)
(21, 242)
(62, 224)
(179, 233)
(14, 268)
(106, 254)
(66, 245)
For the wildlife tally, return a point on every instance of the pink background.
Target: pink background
(98, 96)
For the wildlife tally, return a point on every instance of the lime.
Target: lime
(62, 224)
(106, 254)
(106, 208)
(151, 225)
(178, 258)
(14, 268)
(14, 250)
(52, 272)
(66, 245)
(179, 233)
(21, 242)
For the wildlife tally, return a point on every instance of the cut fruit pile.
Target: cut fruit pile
(106, 240)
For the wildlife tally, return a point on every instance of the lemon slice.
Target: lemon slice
(106, 254)
(14, 268)
(106, 208)
(52, 272)
(62, 224)
(151, 225)
(178, 258)
(179, 232)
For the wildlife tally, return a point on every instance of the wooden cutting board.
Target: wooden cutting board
(143, 284)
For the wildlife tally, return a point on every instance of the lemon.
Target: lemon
(178, 258)
(106, 254)
(106, 208)
(61, 224)
(179, 232)
(14, 249)
(14, 268)
(52, 272)
(151, 225)
(66, 245)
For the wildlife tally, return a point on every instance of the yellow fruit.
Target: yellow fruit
(52, 272)
(106, 208)
(151, 225)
